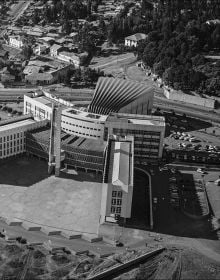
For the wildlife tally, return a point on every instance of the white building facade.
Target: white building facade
(12, 135)
(16, 42)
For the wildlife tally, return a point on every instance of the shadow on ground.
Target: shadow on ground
(181, 123)
(23, 171)
(170, 220)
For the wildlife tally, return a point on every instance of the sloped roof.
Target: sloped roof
(55, 47)
(112, 94)
(137, 37)
(121, 165)
(40, 77)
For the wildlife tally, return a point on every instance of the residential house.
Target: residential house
(41, 72)
(55, 49)
(3, 55)
(72, 58)
(134, 40)
(16, 42)
(40, 49)
(6, 76)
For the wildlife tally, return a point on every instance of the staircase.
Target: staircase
(53, 239)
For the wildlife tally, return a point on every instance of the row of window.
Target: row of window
(134, 132)
(148, 155)
(116, 193)
(145, 140)
(80, 126)
(11, 151)
(115, 210)
(86, 158)
(145, 147)
(116, 201)
(81, 133)
(11, 137)
(11, 144)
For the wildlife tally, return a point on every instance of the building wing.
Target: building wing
(112, 95)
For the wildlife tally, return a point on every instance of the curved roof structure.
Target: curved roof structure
(119, 95)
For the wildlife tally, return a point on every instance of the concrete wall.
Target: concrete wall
(174, 95)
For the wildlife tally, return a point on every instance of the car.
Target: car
(155, 200)
(119, 244)
(172, 179)
(181, 137)
(200, 170)
(188, 145)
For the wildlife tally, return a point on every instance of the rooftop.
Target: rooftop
(137, 37)
(47, 101)
(16, 124)
(89, 145)
(121, 164)
(84, 114)
(138, 119)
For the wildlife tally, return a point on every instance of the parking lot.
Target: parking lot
(191, 140)
(168, 218)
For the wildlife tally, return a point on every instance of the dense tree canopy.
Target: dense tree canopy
(178, 38)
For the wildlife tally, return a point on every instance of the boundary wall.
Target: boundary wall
(179, 96)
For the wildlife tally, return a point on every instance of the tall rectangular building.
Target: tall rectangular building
(148, 133)
(117, 189)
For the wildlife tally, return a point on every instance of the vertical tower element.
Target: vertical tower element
(55, 141)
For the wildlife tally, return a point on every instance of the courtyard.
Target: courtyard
(70, 202)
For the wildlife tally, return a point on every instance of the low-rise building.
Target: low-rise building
(12, 135)
(72, 58)
(40, 49)
(16, 42)
(134, 40)
(55, 49)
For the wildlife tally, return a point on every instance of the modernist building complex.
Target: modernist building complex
(112, 135)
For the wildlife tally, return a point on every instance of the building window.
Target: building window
(119, 194)
(114, 201)
(119, 202)
(114, 194)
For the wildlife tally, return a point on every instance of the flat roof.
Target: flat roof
(74, 141)
(138, 119)
(47, 101)
(84, 114)
(16, 124)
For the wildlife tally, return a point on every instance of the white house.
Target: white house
(16, 42)
(73, 58)
(134, 40)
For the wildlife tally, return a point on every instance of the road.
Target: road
(160, 101)
(112, 61)
(193, 111)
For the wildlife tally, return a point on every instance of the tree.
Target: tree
(27, 52)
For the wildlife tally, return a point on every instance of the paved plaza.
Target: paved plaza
(71, 202)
